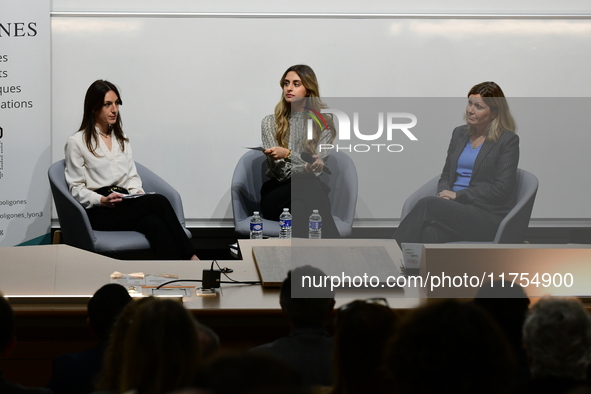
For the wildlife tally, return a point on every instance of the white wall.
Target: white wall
(328, 6)
(197, 82)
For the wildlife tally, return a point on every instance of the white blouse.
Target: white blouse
(86, 172)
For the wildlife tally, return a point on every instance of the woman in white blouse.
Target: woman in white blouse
(100, 167)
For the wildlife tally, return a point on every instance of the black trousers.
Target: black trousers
(301, 194)
(437, 220)
(151, 215)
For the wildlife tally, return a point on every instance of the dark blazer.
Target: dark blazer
(492, 185)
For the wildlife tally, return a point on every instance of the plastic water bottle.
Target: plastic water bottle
(315, 228)
(285, 224)
(256, 226)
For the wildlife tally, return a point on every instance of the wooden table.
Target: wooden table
(61, 278)
(50, 285)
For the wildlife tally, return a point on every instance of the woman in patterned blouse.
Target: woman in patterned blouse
(295, 183)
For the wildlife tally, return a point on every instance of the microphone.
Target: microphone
(309, 159)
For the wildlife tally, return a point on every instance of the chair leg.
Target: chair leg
(57, 237)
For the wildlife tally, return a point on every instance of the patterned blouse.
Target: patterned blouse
(283, 169)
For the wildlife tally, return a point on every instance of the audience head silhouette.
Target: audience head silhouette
(161, 352)
(557, 338)
(450, 344)
(305, 306)
(110, 376)
(104, 307)
(507, 305)
(362, 331)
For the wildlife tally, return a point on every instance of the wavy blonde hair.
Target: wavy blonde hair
(493, 96)
(283, 108)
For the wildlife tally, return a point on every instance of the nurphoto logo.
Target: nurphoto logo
(395, 123)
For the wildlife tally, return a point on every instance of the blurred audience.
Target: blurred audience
(161, 352)
(109, 378)
(308, 348)
(250, 373)
(154, 349)
(507, 304)
(155, 346)
(209, 341)
(557, 338)
(450, 346)
(362, 331)
(76, 372)
(7, 344)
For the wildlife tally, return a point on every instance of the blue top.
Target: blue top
(465, 167)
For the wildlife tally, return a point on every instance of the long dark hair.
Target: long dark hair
(93, 102)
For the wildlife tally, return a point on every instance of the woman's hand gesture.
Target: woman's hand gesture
(447, 194)
(317, 166)
(111, 200)
(277, 152)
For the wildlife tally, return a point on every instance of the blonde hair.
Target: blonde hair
(283, 108)
(493, 96)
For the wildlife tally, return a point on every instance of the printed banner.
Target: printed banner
(25, 122)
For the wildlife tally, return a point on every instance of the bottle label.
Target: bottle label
(285, 223)
(256, 227)
(315, 225)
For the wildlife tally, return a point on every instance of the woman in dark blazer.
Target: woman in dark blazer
(477, 185)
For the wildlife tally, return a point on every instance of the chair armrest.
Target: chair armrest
(428, 189)
(73, 218)
(154, 183)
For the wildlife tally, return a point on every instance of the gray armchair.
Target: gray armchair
(249, 176)
(76, 228)
(512, 228)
